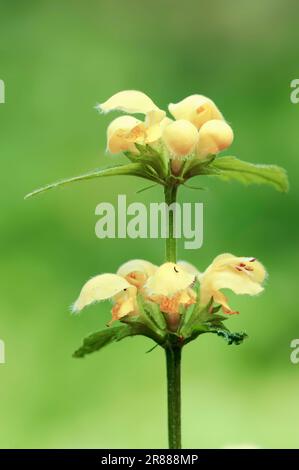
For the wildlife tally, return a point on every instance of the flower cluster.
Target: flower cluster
(169, 151)
(170, 286)
(198, 128)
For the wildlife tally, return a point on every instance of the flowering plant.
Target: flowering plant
(173, 303)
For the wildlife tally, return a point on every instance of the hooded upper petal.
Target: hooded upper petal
(213, 137)
(133, 101)
(137, 271)
(101, 287)
(190, 268)
(239, 274)
(168, 279)
(137, 265)
(197, 109)
(123, 132)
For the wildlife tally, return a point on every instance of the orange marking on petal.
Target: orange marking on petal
(200, 109)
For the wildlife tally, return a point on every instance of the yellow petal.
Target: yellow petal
(214, 136)
(154, 129)
(101, 287)
(168, 279)
(132, 101)
(165, 122)
(180, 138)
(137, 265)
(123, 132)
(197, 109)
(248, 266)
(239, 274)
(187, 297)
(137, 271)
(125, 304)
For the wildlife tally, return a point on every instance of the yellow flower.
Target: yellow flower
(125, 131)
(108, 286)
(170, 288)
(121, 288)
(168, 279)
(170, 283)
(213, 137)
(197, 109)
(239, 274)
(199, 127)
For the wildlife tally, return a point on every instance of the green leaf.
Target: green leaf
(98, 340)
(133, 169)
(231, 168)
(219, 329)
(231, 338)
(215, 320)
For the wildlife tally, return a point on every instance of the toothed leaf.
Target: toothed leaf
(231, 168)
(133, 169)
(98, 340)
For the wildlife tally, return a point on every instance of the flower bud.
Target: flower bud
(197, 109)
(180, 138)
(214, 136)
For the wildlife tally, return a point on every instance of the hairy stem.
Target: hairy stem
(173, 362)
(173, 352)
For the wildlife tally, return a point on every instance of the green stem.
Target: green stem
(170, 193)
(173, 362)
(173, 352)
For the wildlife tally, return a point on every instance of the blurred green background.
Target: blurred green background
(58, 59)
